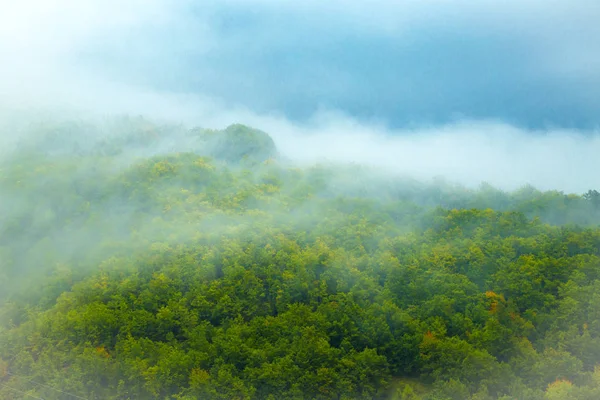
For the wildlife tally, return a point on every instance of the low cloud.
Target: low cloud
(390, 90)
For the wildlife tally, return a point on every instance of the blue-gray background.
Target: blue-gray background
(532, 64)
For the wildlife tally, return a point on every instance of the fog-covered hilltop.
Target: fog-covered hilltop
(142, 260)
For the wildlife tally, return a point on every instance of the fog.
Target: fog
(148, 242)
(90, 58)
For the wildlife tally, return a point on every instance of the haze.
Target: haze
(507, 93)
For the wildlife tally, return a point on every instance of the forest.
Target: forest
(142, 260)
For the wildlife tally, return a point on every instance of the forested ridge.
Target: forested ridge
(146, 261)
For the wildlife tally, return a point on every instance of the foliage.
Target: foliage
(132, 270)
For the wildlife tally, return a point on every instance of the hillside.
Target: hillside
(145, 261)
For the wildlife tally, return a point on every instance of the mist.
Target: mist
(91, 58)
(264, 199)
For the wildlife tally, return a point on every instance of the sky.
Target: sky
(462, 88)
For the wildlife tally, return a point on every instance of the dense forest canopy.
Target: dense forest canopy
(148, 261)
